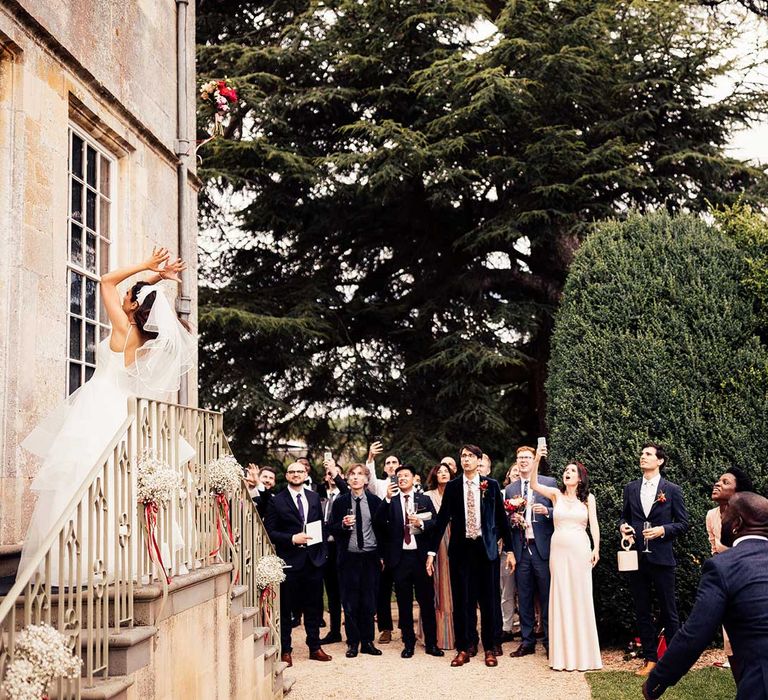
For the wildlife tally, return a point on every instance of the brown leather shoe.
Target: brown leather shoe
(460, 659)
(648, 666)
(472, 650)
(385, 637)
(319, 655)
(287, 659)
(490, 659)
(523, 650)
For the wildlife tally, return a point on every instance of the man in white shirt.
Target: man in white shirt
(658, 502)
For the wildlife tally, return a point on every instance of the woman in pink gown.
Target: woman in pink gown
(573, 640)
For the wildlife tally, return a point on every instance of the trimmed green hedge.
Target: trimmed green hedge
(655, 339)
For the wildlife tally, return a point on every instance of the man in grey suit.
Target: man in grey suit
(733, 591)
(531, 533)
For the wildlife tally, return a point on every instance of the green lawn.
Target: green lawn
(710, 683)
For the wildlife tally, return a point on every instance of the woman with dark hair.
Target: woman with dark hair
(573, 640)
(729, 483)
(438, 477)
(147, 351)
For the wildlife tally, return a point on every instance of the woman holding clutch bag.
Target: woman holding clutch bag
(573, 641)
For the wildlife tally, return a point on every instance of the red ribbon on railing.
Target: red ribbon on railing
(266, 593)
(151, 510)
(222, 513)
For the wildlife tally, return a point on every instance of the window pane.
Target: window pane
(89, 372)
(74, 376)
(90, 343)
(90, 298)
(103, 330)
(76, 162)
(76, 244)
(103, 256)
(75, 293)
(104, 218)
(91, 167)
(104, 178)
(90, 251)
(77, 201)
(75, 341)
(90, 209)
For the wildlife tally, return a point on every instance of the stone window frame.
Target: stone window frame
(90, 256)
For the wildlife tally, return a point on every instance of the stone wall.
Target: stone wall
(110, 68)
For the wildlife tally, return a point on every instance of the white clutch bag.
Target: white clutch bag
(627, 556)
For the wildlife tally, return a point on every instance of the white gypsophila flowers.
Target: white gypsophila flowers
(269, 571)
(156, 481)
(224, 475)
(41, 654)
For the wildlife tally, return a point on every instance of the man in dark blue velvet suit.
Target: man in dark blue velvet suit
(733, 592)
(530, 543)
(658, 501)
(288, 513)
(473, 506)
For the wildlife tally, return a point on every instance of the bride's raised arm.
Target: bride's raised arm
(547, 491)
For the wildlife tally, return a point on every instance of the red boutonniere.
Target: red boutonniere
(661, 497)
(483, 488)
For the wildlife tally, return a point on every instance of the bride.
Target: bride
(573, 641)
(147, 352)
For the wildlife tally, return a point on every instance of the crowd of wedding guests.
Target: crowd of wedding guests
(521, 553)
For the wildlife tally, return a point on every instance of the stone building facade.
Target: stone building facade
(89, 179)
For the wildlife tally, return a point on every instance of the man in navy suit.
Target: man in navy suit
(288, 513)
(733, 591)
(658, 501)
(405, 554)
(530, 543)
(473, 506)
(358, 549)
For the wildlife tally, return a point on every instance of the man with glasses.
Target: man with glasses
(287, 518)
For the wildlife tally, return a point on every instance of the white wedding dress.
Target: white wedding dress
(70, 441)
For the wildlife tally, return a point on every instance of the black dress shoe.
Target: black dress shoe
(497, 650)
(523, 650)
(433, 650)
(368, 648)
(322, 623)
(295, 621)
(407, 652)
(546, 650)
(351, 651)
(331, 638)
(472, 651)
(507, 637)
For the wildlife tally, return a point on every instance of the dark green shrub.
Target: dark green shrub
(655, 339)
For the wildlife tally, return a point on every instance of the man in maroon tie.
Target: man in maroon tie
(405, 518)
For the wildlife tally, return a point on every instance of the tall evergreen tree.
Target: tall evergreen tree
(411, 199)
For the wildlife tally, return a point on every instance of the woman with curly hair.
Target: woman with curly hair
(574, 645)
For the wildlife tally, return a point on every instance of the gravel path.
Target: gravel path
(425, 677)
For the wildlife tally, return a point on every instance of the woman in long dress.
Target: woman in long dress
(147, 351)
(729, 483)
(573, 640)
(436, 481)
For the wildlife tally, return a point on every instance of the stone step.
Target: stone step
(270, 659)
(260, 637)
(112, 688)
(277, 679)
(130, 650)
(238, 599)
(288, 682)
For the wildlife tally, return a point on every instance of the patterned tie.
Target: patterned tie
(300, 504)
(359, 523)
(406, 528)
(471, 513)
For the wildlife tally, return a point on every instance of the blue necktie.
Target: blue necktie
(300, 504)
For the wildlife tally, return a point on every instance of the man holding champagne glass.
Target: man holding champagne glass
(654, 510)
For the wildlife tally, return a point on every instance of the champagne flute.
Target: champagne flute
(646, 526)
(350, 514)
(533, 504)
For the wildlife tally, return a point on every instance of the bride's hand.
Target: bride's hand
(156, 260)
(595, 557)
(173, 270)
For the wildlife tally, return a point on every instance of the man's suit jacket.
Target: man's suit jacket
(733, 591)
(544, 525)
(391, 521)
(342, 486)
(494, 521)
(262, 500)
(668, 511)
(342, 534)
(283, 522)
